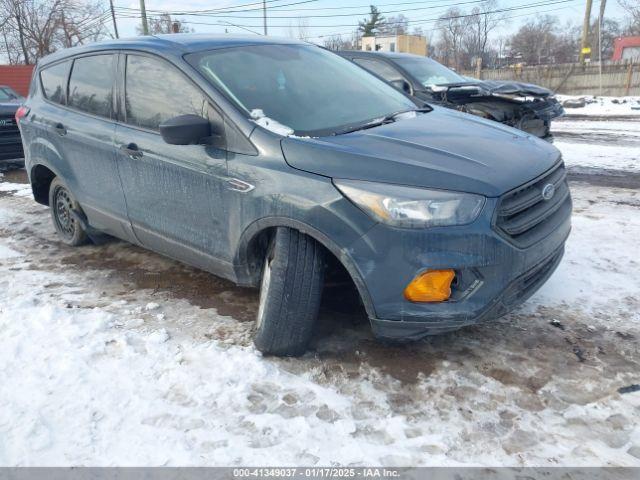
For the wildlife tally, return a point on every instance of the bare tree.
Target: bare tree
(162, 24)
(31, 29)
(398, 25)
(336, 42)
(452, 27)
(299, 29)
(610, 30)
(632, 7)
(544, 40)
(482, 21)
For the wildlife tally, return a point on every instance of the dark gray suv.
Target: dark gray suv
(265, 161)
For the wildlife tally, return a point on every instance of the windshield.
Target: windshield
(429, 72)
(305, 88)
(7, 94)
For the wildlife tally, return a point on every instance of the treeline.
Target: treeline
(460, 37)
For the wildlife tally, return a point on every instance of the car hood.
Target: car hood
(490, 87)
(441, 149)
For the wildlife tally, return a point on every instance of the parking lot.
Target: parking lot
(129, 358)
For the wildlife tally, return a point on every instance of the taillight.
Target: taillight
(21, 113)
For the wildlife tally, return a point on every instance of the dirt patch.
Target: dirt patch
(140, 269)
(14, 175)
(605, 178)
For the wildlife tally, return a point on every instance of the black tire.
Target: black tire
(290, 292)
(61, 203)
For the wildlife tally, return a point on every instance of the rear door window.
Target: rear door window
(379, 68)
(91, 84)
(156, 91)
(54, 81)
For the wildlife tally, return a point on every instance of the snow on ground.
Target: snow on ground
(112, 355)
(19, 189)
(598, 273)
(600, 144)
(603, 106)
(581, 155)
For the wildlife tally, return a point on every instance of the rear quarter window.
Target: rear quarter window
(54, 80)
(91, 84)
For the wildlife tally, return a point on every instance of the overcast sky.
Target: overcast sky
(420, 13)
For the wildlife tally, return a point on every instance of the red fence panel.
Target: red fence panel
(17, 77)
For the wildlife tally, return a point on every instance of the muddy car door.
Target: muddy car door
(174, 193)
(88, 131)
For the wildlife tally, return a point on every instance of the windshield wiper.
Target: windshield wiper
(382, 120)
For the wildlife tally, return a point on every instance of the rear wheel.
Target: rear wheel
(63, 204)
(290, 291)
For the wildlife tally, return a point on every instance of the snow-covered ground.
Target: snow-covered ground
(603, 106)
(599, 144)
(112, 355)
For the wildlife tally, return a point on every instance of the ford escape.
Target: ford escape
(263, 160)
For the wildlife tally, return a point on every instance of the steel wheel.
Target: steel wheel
(63, 205)
(63, 216)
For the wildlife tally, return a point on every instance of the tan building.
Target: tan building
(416, 44)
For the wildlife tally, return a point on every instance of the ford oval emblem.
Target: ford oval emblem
(548, 190)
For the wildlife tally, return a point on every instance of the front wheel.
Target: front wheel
(290, 292)
(63, 207)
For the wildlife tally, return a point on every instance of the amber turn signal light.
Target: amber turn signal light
(430, 286)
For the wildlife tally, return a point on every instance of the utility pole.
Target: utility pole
(113, 17)
(264, 15)
(584, 44)
(143, 14)
(603, 4)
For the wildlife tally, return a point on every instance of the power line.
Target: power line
(214, 10)
(281, 9)
(432, 7)
(95, 21)
(416, 21)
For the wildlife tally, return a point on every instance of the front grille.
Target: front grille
(10, 143)
(525, 217)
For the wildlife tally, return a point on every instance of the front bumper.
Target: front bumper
(493, 273)
(514, 294)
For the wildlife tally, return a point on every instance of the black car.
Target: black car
(10, 143)
(521, 105)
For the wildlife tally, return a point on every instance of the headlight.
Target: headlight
(411, 207)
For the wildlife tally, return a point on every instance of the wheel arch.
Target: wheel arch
(253, 241)
(41, 176)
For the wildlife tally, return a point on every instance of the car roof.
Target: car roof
(180, 43)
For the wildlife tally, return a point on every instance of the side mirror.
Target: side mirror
(186, 130)
(401, 85)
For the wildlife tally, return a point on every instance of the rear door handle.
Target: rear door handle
(60, 129)
(131, 150)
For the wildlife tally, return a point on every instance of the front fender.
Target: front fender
(247, 271)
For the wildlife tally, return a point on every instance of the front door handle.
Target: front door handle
(60, 129)
(131, 150)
